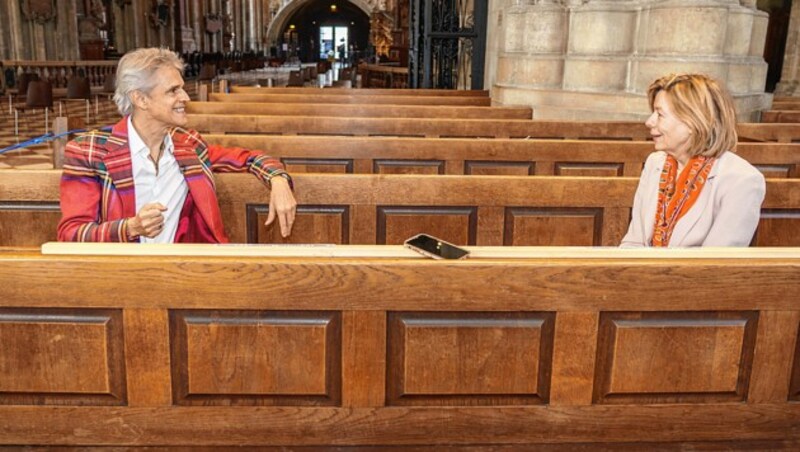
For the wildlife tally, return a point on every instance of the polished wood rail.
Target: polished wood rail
(322, 98)
(359, 110)
(236, 89)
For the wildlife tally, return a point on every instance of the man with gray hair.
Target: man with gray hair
(149, 179)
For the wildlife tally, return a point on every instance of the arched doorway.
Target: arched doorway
(309, 29)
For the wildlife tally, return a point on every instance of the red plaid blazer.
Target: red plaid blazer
(98, 196)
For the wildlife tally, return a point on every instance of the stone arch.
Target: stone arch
(285, 13)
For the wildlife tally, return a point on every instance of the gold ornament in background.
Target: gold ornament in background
(380, 33)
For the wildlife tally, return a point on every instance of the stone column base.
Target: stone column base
(558, 104)
(788, 88)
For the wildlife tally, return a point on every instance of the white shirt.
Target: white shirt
(167, 187)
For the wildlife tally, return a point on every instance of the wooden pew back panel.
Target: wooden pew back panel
(473, 128)
(500, 157)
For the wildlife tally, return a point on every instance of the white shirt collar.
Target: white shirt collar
(137, 145)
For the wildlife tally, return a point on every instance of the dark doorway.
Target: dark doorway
(310, 20)
(775, 45)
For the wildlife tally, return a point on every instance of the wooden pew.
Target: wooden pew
(782, 133)
(535, 348)
(417, 127)
(786, 104)
(360, 110)
(322, 98)
(455, 156)
(360, 92)
(778, 116)
(386, 209)
(473, 128)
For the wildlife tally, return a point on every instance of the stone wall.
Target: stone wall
(595, 59)
(790, 75)
(76, 25)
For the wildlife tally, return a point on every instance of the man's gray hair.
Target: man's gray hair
(135, 73)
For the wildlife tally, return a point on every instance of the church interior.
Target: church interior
(517, 132)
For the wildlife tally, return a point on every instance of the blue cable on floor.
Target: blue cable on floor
(49, 136)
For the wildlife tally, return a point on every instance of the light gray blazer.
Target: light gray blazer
(725, 214)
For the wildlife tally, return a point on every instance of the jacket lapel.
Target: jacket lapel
(119, 166)
(651, 198)
(200, 184)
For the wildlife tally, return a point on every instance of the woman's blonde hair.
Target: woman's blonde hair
(704, 106)
(135, 73)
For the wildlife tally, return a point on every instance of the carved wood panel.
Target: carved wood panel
(674, 357)
(256, 357)
(794, 387)
(385, 166)
(26, 223)
(553, 227)
(61, 357)
(778, 227)
(589, 169)
(486, 168)
(301, 165)
(469, 358)
(312, 224)
(456, 225)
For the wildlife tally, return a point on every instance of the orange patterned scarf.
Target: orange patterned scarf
(676, 195)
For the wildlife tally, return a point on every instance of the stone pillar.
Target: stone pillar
(188, 43)
(251, 19)
(64, 43)
(197, 11)
(594, 60)
(534, 44)
(166, 34)
(239, 24)
(13, 44)
(212, 40)
(790, 74)
(140, 22)
(121, 33)
(90, 21)
(228, 31)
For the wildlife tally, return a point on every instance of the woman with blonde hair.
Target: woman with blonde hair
(694, 191)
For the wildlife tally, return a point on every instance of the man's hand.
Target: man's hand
(149, 222)
(282, 205)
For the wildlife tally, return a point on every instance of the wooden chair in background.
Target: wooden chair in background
(39, 94)
(296, 78)
(109, 87)
(78, 89)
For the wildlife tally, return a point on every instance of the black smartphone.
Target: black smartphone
(430, 246)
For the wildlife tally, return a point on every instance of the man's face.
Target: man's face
(165, 104)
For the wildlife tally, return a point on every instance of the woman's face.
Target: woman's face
(669, 133)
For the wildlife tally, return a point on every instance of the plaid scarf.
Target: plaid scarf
(676, 195)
